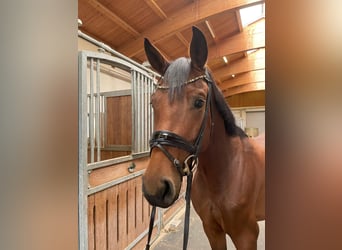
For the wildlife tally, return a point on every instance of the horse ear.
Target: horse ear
(156, 59)
(198, 49)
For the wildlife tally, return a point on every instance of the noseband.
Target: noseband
(163, 138)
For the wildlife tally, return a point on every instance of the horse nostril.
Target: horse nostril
(168, 193)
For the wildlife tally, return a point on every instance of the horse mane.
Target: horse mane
(223, 108)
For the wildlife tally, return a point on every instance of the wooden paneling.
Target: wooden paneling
(119, 120)
(255, 98)
(117, 216)
(110, 173)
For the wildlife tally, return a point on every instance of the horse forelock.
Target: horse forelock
(176, 75)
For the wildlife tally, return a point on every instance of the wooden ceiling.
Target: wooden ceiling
(123, 24)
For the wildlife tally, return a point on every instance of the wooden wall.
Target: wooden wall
(119, 120)
(119, 214)
(118, 128)
(249, 99)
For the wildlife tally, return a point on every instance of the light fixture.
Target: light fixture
(233, 75)
(225, 59)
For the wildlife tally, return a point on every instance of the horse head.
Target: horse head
(181, 107)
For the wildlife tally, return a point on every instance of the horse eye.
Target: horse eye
(199, 103)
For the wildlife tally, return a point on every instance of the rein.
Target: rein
(163, 138)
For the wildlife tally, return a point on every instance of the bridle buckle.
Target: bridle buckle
(190, 166)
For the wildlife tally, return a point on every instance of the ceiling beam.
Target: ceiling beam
(256, 86)
(156, 9)
(252, 37)
(244, 78)
(110, 15)
(185, 17)
(253, 61)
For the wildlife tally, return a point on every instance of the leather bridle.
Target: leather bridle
(163, 138)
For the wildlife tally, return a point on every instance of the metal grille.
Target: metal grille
(92, 108)
(142, 87)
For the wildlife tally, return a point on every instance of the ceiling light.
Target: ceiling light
(225, 59)
(233, 75)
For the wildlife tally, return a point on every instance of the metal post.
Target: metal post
(97, 110)
(91, 112)
(83, 145)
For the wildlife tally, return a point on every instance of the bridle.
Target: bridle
(162, 138)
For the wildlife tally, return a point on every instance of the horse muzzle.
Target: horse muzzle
(164, 194)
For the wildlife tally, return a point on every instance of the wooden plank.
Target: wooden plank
(110, 15)
(119, 120)
(249, 99)
(244, 88)
(122, 216)
(112, 196)
(100, 221)
(91, 230)
(131, 222)
(103, 175)
(253, 61)
(139, 206)
(244, 78)
(185, 17)
(156, 9)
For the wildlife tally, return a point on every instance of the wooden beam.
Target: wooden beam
(110, 15)
(244, 88)
(185, 17)
(252, 37)
(156, 9)
(244, 78)
(253, 61)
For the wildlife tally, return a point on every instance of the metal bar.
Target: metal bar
(124, 92)
(138, 113)
(143, 113)
(97, 111)
(114, 52)
(102, 121)
(149, 118)
(109, 184)
(117, 160)
(82, 158)
(133, 73)
(91, 112)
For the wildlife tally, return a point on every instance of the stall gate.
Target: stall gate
(114, 128)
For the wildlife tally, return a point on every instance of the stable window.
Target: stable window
(251, 14)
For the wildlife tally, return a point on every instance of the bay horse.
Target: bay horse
(195, 129)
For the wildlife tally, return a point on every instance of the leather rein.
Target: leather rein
(163, 138)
